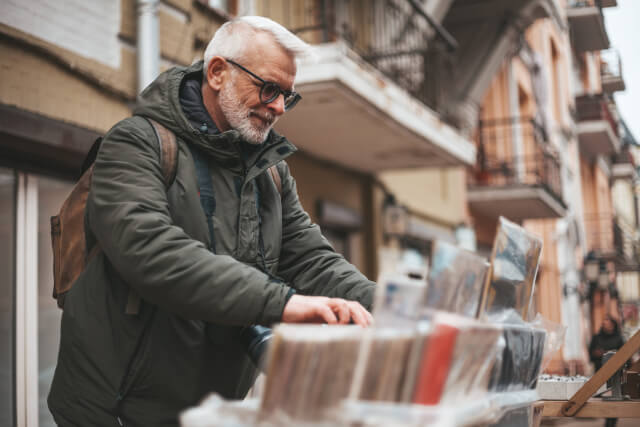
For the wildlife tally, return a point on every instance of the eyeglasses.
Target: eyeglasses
(270, 91)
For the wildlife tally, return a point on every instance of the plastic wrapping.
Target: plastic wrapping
(382, 414)
(214, 411)
(310, 369)
(456, 280)
(514, 264)
(456, 360)
(520, 361)
(555, 338)
(398, 300)
(516, 409)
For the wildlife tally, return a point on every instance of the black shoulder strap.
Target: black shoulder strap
(205, 185)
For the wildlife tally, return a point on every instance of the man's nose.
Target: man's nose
(277, 105)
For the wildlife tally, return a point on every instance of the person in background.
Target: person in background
(609, 338)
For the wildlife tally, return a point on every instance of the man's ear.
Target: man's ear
(216, 72)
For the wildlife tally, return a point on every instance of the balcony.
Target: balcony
(520, 184)
(597, 127)
(611, 71)
(627, 242)
(601, 235)
(612, 239)
(586, 22)
(623, 165)
(368, 105)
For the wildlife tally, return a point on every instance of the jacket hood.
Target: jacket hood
(160, 101)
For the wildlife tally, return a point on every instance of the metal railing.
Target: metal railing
(601, 233)
(498, 165)
(596, 107)
(585, 3)
(623, 156)
(395, 36)
(611, 65)
(612, 239)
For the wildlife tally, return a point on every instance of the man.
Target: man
(199, 291)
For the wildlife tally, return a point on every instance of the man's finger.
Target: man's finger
(357, 315)
(341, 308)
(327, 314)
(368, 318)
(368, 315)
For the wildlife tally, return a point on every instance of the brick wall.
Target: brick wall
(46, 69)
(87, 28)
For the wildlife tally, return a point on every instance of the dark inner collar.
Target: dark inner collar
(193, 106)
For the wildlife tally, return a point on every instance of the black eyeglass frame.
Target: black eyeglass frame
(291, 98)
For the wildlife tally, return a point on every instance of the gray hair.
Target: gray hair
(231, 39)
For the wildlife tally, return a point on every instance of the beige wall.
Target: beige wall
(317, 180)
(598, 212)
(622, 198)
(439, 194)
(548, 294)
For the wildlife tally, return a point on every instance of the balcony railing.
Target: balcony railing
(603, 237)
(595, 107)
(586, 22)
(613, 239)
(395, 36)
(611, 71)
(611, 63)
(499, 166)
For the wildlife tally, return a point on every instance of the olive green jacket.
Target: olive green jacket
(144, 368)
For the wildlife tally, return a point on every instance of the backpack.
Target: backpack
(68, 236)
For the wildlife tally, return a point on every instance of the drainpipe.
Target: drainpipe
(148, 42)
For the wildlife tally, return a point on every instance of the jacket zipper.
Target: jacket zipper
(127, 379)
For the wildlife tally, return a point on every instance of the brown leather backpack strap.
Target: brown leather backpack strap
(273, 170)
(169, 166)
(168, 151)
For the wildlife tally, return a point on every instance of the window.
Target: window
(339, 225)
(7, 297)
(51, 194)
(29, 317)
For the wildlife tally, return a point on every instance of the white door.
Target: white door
(37, 319)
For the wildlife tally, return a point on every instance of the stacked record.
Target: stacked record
(514, 265)
(520, 360)
(456, 360)
(456, 280)
(310, 369)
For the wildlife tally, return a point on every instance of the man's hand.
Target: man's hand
(305, 309)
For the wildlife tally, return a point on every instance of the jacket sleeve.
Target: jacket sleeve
(308, 261)
(128, 213)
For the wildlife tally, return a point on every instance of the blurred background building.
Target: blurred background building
(421, 120)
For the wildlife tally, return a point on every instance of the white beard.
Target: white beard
(239, 117)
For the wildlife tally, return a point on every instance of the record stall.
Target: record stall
(455, 347)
